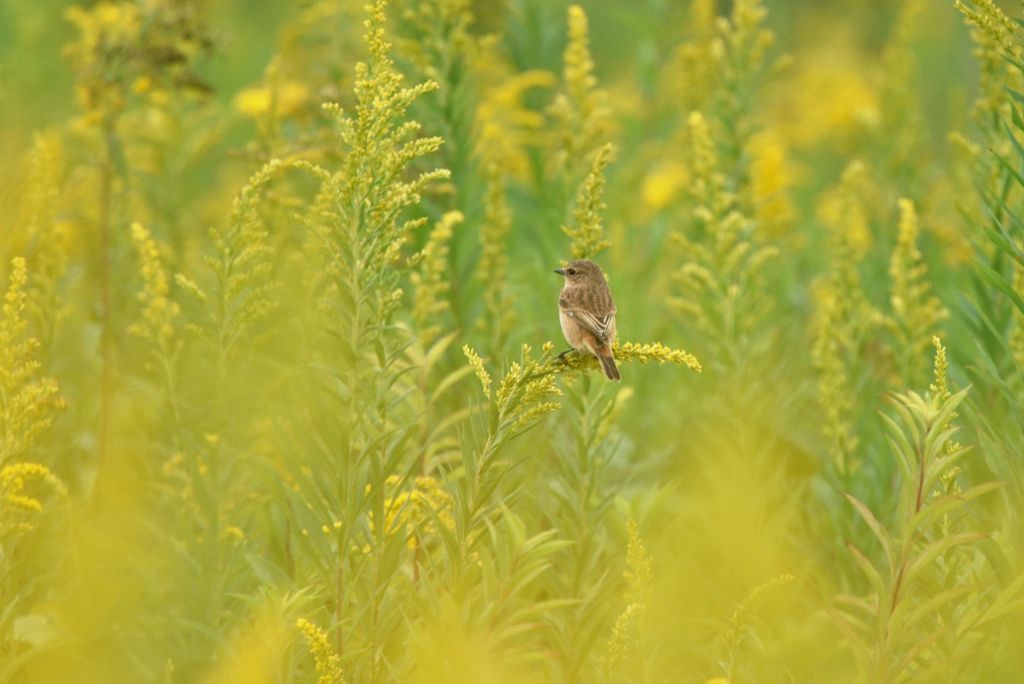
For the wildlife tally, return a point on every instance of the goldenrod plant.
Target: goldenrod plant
(915, 311)
(579, 110)
(909, 630)
(721, 280)
(844, 318)
(124, 53)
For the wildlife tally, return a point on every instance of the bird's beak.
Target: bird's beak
(560, 271)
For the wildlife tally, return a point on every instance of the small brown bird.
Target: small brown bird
(587, 313)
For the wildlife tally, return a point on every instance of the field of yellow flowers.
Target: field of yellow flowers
(280, 393)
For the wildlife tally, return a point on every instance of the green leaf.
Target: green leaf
(937, 600)
(437, 349)
(1015, 95)
(1004, 243)
(918, 649)
(860, 649)
(876, 527)
(930, 514)
(929, 553)
(1006, 165)
(901, 449)
(997, 281)
(450, 380)
(869, 570)
(1004, 604)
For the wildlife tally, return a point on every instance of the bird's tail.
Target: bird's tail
(611, 371)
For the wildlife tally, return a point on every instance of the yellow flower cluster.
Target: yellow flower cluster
(478, 366)
(242, 261)
(406, 512)
(505, 127)
(903, 123)
(829, 355)
(126, 48)
(105, 26)
(638, 567)
(328, 664)
(441, 34)
(580, 110)
(663, 183)
(159, 311)
(916, 312)
(302, 74)
(644, 353)
(739, 53)
(358, 206)
(638, 582)
(688, 80)
(28, 405)
(991, 20)
(720, 278)
(993, 104)
(14, 503)
(527, 384)
(827, 98)
(744, 34)
(49, 235)
(941, 386)
(588, 233)
(941, 390)
(429, 282)
(626, 352)
(741, 621)
(771, 178)
(844, 211)
(492, 268)
(276, 98)
(842, 313)
(618, 643)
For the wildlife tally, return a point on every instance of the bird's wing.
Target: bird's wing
(600, 326)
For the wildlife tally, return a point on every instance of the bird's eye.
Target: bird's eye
(572, 271)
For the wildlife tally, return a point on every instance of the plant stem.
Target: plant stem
(103, 226)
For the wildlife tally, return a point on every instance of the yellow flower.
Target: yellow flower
(159, 311)
(506, 127)
(638, 580)
(292, 97)
(588, 233)
(12, 487)
(771, 179)
(142, 84)
(429, 281)
(828, 98)
(478, 365)
(328, 664)
(916, 312)
(406, 512)
(28, 404)
(253, 101)
(492, 267)
(582, 117)
(663, 183)
(287, 99)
